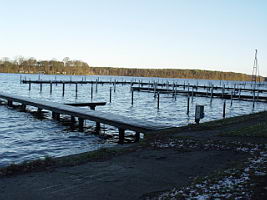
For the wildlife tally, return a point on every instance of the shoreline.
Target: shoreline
(192, 150)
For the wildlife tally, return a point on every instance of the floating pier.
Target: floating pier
(121, 122)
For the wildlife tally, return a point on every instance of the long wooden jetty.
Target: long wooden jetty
(121, 122)
(224, 95)
(150, 84)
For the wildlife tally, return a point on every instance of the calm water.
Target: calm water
(24, 137)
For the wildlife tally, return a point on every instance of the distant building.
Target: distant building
(265, 79)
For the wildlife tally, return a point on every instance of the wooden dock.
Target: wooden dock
(225, 95)
(167, 85)
(121, 122)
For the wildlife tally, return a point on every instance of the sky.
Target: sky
(217, 35)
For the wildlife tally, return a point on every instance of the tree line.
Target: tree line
(77, 67)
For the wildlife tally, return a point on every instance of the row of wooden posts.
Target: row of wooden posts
(156, 94)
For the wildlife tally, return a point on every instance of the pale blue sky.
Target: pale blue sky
(196, 34)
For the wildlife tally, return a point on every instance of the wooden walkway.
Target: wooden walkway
(225, 95)
(121, 122)
(150, 84)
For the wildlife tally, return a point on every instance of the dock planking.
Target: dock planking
(151, 84)
(201, 94)
(121, 122)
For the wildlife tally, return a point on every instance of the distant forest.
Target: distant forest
(77, 67)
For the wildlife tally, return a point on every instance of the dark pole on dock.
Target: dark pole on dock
(211, 96)
(253, 98)
(30, 86)
(132, 96)
(224, 106)
(41, 87)
(110, 92)
(63, 89)
(231, 99)
(121, 135)
(92, 91)
(158, 100)
(76, 89)
(51, 87)
(188, 100)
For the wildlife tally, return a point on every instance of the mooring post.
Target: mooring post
(132, 96)
(81, 121)
(30, 85)
(41, 87)
(110, 92)
(253, 98)
(50, 87)
(76, 90)
(211, 96)
(96, 86)
(92, 91)
(137, 137)
(192, 98)
(223, 90)
(175, 93)
(63, 89)
(188, 100)
(239, 93)
(97, 127)
(158, 100)
(39, 111)
(9, 103)
(121, 135)
(53, 115)
(73, 121)
(224, 106)
(23, 107)
(231, 99)
(58, 116)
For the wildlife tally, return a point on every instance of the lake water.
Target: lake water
(24, 137)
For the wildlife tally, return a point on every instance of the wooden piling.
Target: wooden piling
(231, 99)
(63, 89)
(23, 107)
(158, 100)
(132, 96)
(92, 91)
(97, 128)
(224, 107)
(137, 137)
(211, 96)
(121, 135)
(81, 122)
(110, 92)
(51, 87)
(30, 86)
(10, 103)
(188, 100)
(76, 90)
(41, 87)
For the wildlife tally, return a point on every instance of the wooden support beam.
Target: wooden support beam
(73, 121)
(121, 135)
(53, 115)
(39, 111)
(23, 107)
(137, 137)
(10, 103)
(81, 122)
(97, 128)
